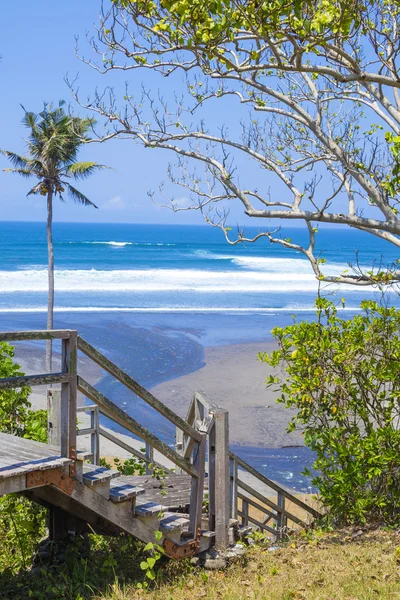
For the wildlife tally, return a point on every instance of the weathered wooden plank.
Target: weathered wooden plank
(95, 437)
(222, 478)
(118, 514)
(171, 522)
(149, 509)
(32, 380)
(34, 465)
(115, 413)
(259, 524)
(260, 508)
(122, 444)
(54, 416)
(69, 396)
(268, 502)
(197, 489)
(7, 439)
(174, 492)
(121, 493)
(139, 390)
(233, 475)
(11, 485)
(256, 494)
(20, 336)
(87, 431)
(93, 474)
(275, 486)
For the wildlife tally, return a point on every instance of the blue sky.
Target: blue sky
(37, 50)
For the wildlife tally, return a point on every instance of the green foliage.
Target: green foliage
(14, 404)
(342, 376)
(131, 466)
(53, 145)
(22, 523)
(195, 22)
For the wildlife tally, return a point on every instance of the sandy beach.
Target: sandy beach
(235, 379)
(232, 376)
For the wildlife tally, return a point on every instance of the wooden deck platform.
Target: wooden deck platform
(19, 456)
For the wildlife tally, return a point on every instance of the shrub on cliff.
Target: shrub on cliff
(343, 377)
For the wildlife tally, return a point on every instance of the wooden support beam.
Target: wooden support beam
(135, 387)
(115, 413)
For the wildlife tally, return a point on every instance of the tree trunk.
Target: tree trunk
(50, 303)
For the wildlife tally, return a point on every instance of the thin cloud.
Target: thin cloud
(115, 203)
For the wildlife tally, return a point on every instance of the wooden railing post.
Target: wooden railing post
(53, 417)
(233, 470)
(245, 512)
(150, 457)
(197, 489)
(68, 398)
(211, 478)
(95, 437)
(280, 521)
(221, 476)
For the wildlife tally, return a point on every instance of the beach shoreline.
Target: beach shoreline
(234, 378)
(231, 375)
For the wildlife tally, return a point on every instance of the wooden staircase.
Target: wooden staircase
(100, 499)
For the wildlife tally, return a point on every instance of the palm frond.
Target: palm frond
(82, 170)
(36, 189)
(24, 172)
(78, 197)
(17, 160)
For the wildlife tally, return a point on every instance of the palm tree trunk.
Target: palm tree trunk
(50, 303)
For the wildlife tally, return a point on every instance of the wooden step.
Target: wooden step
(120, 492)
(92, 474)
(84, 455)
(149, 509)
(172, 521)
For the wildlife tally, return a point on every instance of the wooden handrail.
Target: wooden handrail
(275, 486)
(118, 442)
(116, 414)
(135, 387)
(21, 336)
(31, 380)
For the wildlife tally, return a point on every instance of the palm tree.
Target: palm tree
(53, 144)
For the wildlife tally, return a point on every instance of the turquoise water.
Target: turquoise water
(170, 268)
(152, 298)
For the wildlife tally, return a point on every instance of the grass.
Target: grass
(340, 566)
(344, 565)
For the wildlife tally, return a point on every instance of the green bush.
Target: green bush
(22, 523)
(343, 377)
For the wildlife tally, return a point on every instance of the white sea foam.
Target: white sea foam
(293, 279)
(272, 264)
(171, 309)
(112, 243)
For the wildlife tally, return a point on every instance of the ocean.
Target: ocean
(152, 297)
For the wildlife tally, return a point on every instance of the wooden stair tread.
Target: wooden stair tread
(84, 455)
(171, 522)
(125, 491)
(149, 509)
(93, 474)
